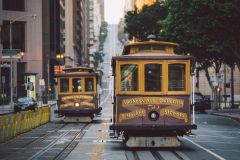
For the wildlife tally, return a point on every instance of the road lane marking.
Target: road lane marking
(216, 142)
(225, 150)
(217, 136)
(205, 149)
(98, 148)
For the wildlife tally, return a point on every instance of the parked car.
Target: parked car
(25, 103)
(201, 102)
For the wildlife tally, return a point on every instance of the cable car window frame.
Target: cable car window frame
(178, 77)
(93, 85)
(186, 80)
(141, 77)
(83, 85)
(118, 77)
(131, 70)
(59, 85)
(73, 84)
(162, 76)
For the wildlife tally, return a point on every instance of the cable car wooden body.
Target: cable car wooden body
(78, 97)
(151, 95)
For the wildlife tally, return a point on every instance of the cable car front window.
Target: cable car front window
(129, 77)
(153, 77)
(77, 85)
(176, 77)
(64, 85)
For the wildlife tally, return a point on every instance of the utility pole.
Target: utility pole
(232, 86)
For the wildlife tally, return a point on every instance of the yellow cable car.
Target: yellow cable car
(152, 95)
(78, 97)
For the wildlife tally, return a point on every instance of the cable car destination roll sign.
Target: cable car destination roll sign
(152, 100)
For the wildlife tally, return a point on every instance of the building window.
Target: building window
(129, 77)
(18, 35)
(153, 77)
(13, 5)
(176, 77)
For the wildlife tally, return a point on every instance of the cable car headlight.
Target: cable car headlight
(153, 115)
(76, 104)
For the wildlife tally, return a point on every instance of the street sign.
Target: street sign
(41, 82)
(10, 52)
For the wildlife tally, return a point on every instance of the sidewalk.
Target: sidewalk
(230, 113)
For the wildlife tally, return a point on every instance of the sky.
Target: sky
(113, 10)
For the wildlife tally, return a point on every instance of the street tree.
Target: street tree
(146, 22)
(122, 36)
(208, 29)
(98, 55)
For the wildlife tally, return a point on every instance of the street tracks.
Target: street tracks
(61, 145)
(155, 155)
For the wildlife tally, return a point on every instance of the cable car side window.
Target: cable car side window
(153, 77)
(89, 84)
(64, 85)
(129, 77)
(176, 77)
(77, 85)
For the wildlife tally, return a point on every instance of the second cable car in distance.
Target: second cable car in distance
(78, 94)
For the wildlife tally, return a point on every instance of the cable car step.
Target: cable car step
(84, 119)
(153, 142)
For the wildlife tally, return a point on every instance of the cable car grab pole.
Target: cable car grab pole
(193, 96)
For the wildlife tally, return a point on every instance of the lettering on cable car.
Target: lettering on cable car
(174, 113)
(132, 115)
(152, 100)
(77, 97)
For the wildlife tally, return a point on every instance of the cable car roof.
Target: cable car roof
(78, 69)
(149, 46)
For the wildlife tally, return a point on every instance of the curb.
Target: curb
(227, 116)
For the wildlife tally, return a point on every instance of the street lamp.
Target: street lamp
(10, 47)
(219, 96)
(59, 56)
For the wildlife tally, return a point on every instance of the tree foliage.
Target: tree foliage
(103, 32)
(208, 29)
(98, 55)
(146, 22)
(122, 36)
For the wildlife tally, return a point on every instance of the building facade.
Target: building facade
(223, 81)
(94, 22)
(25, 17)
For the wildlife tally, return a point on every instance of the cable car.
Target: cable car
(151, 95)
(78, 94)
